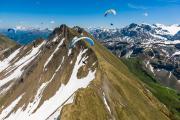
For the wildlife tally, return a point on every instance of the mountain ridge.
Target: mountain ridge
(84, 82)
(144, 31)
(154, 45)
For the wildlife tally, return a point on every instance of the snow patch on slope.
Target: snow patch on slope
(172, 29)
(158, 37)
(69, 52)
(170, 74)
(3, 91)
(57, 113)
(172, 42)
(105, 102)
(128, 55)
(57, 48)
(151, 68)
(148, 64)
(19, 65)
(176, 53)
(32, 106)
(6, 62)
(55, 38)
(10, 108)
(62, 95)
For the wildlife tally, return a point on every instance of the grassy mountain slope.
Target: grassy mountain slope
(166, 95)
(6, 42)
(127, 98)
(7, 46)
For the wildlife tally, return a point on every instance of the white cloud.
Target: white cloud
(146, 14)
(52, 22)
(133, 6)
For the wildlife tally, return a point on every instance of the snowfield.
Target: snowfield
(6, 62)
(57, 48)
(56, 114)
(176, 53)
(17, 68)
(172, 42)
(172, 29)
(61, 97)
(9, 109)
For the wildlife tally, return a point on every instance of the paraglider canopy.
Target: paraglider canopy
(112, 24)
(110, 11)
(11, 30)
(12, 33)
(87, 39)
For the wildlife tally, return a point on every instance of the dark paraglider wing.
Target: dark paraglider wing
(11, 30)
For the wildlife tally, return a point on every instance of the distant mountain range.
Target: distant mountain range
(157, 46)
(138, 33)
(133, 32)
(24, 35)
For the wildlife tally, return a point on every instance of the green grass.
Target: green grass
(167, 96)
(6, 40)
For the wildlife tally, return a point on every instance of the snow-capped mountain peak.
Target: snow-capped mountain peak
(171, 29)
(19, 27)
(139, 32)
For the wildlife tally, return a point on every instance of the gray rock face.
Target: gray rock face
(155, 45)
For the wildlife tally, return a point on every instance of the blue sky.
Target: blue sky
(87, 13)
